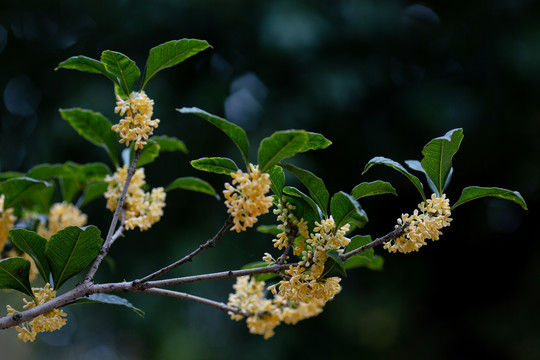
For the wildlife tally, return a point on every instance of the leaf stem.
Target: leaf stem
(396, 233)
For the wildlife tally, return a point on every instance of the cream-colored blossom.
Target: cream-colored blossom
(425, 224)
(245, 198)
(142, 209)
(7, 220)
(266, 314)
(137, 124)
(51, 321)
(61, 215)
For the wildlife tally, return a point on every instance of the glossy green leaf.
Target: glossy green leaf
(70, 250)
(438, 154)
(167, 143)
(17, 189)
(216, 165)
(277, 176)
(107, 299)
(379, 160)
(171, 53)
(34, 245)
(233, 131)
(315, 141)
(378, 187)
(358, 241)
(14, 272)
(314, 184)
(345, 208)
(333, 266)
(193, 184)
(374, 263)
(149, 153)
(292, 191)
(94, 127)
(93, 191)
(86, 64)
(280, 145)
(304, 210)
(123, 68)
(477, 192)
(416, 165)
(40, 201)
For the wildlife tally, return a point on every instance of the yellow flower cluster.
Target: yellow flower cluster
(303, 282)
(137, 124)
(142, 209)
(247, 200)
(51, 321)
(434, 215)
(266, 314)
(7, 219)
(61, 215)
(287, 219)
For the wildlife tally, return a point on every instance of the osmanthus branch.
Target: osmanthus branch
(208, 244)
(119, 210)
(87, 287)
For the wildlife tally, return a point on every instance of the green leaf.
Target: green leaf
(477, 192)
(315, 142)
(233, 131)
(70, 250)
(14, 272)
(292, 191)
(438, 154)
(333, 266)
(416, 165)
(94, 127)
(167, 143)
(269, 229)
(93, 191)
(277, 176)
(149, 153)
(280, 145)
(34, 245)
(17, 189)
(107, 299)
(69, 189)
(359, 241)
(193, 184)
(304, 210)
(123, 68)
(378, 187)
(379, 160)
(374, 263)
(216, 165)
(171, 53)
(314, 184)
(86, 64)
(345, 208)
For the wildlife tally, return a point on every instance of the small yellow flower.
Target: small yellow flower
(61, 215)
(434, 215)
(142, 209)
(7, 219)
(137, 124)
(51, 321)
(247, 200)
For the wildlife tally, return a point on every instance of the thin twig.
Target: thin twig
(119, 208)
(208, 244)
(390, 236)
(186, 296)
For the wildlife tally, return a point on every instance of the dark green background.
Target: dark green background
(375, 77)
